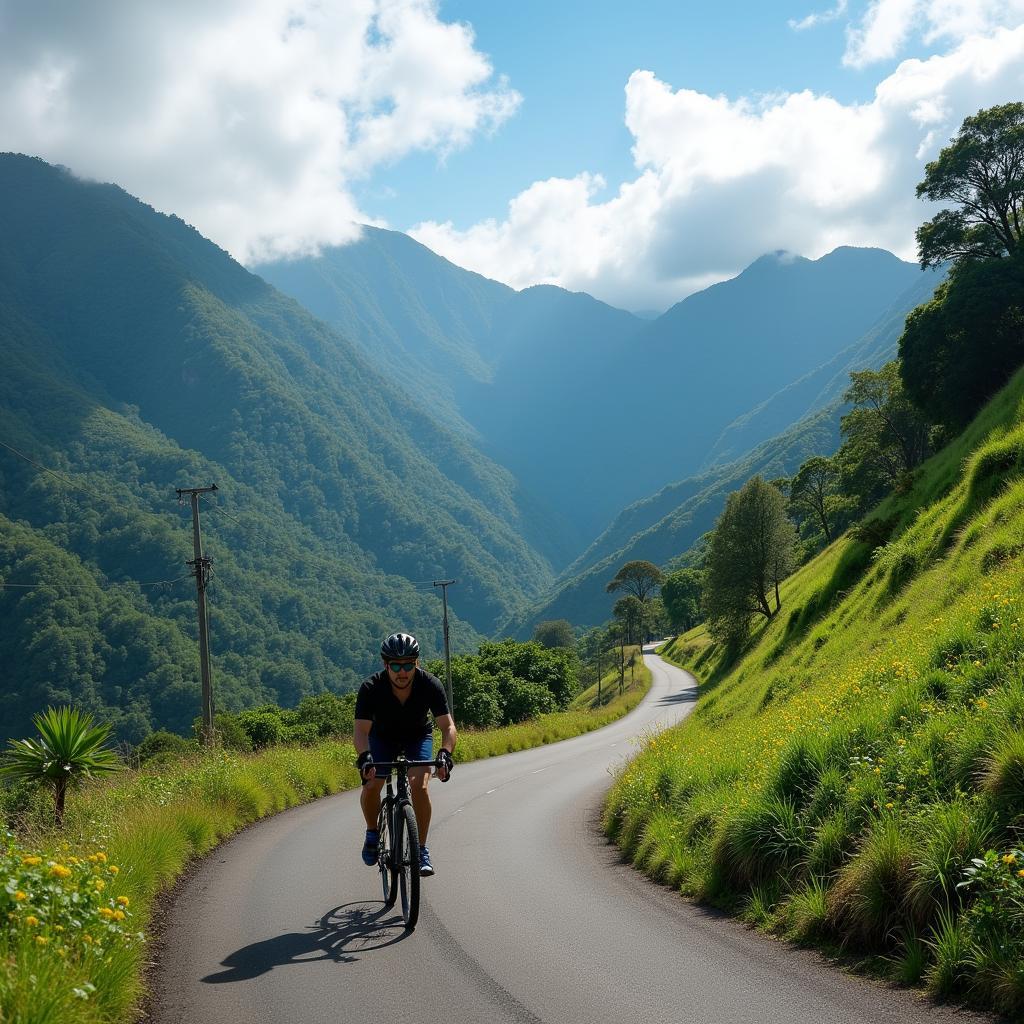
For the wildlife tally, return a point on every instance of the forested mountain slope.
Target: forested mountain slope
(138, 357)
(662, 527)
(825, 384)
(551, 381)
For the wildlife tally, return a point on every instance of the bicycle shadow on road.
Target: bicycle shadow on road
(352, 928)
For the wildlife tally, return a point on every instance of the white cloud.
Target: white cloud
(818, 18)
(249, 118)
(888, 25)
(721, 181)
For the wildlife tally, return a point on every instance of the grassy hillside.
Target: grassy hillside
(837, 780)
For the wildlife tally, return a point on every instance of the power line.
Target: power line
(217, 508)
(89, 586)
(59, 476)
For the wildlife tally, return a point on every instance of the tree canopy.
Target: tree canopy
(753, 549)
(681, 594)
(555, 633)
(982, 173)
(638, 578)
(958, 349)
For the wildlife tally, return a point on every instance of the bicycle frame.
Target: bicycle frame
(399, 856)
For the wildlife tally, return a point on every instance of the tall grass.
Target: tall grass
(867, 746)
(126, 839)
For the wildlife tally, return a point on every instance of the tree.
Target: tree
(681, 593)
(638, 578)
(958, 349)
(629, 611)
(555, 633)
(982, 172)
(885, 435)
(812, 490)
(753, 549)
(69, 749)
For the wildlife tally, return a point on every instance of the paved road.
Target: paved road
(531, 917)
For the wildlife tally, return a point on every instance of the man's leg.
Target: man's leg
(369, 800)
(419, 779)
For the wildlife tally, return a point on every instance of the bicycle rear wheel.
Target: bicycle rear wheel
(386, 854)
(409, 864)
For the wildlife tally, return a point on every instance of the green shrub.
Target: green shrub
(866, 903)
(164, 742)
(806, 911)
(949, 837)
(832, 843)
(1004, 772)
(765, 839)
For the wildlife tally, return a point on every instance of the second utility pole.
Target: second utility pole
(201, 571)
(444, 585)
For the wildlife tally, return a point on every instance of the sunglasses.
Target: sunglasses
(401, 666)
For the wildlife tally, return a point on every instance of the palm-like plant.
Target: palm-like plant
(69, 749)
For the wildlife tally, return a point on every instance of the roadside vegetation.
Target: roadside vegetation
(77, 899)
(853, 773)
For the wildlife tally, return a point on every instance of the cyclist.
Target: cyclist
(392, 716)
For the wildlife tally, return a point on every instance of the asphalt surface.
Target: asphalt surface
(530, 917)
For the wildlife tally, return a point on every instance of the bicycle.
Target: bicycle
(398, 858)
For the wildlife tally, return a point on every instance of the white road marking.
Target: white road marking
(539, 770)
(490, 791)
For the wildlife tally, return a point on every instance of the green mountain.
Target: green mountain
(138, 357)
(454, 333)
(566, 391)
(664, 525)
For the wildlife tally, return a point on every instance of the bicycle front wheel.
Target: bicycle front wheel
(409, 864)
(386, 855)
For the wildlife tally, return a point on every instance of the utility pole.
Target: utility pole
(444, 585)
(201, 571)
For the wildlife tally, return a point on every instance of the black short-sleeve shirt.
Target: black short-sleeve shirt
(401, 722)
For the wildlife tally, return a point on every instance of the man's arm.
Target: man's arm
(361, 735)
(361, 741)
(446, 725)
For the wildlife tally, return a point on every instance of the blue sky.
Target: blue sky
(637, 151)
(571, 69)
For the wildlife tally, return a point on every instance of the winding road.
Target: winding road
(531, 917)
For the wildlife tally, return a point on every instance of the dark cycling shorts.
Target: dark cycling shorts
(414, 750)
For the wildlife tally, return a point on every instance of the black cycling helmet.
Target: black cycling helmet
(399, 645)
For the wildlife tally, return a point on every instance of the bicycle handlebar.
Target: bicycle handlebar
(389, 765)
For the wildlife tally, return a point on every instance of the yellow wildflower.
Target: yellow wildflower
(31, 862)
(59, 871)
(41, 940)
(113, 869)
(123, 900)
(100, 884)
(19, 896)
(87, 939)
(31, 920)
(1009, 858)
(118, 915)
(100, 856)
(106, 912)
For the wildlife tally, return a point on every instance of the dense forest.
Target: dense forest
(137, 358)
